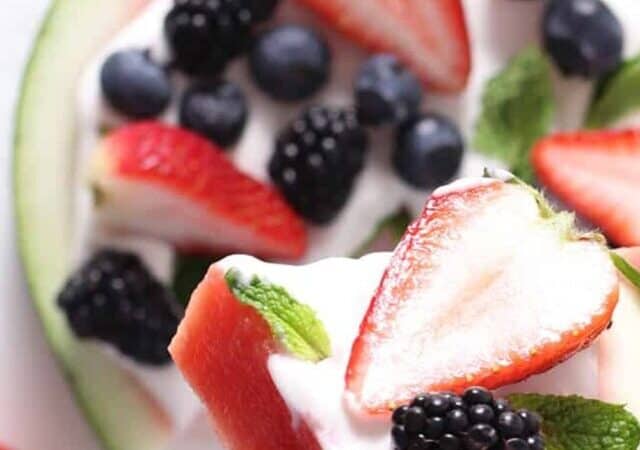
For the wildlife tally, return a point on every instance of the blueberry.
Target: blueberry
(134, 85)
(532, 421)
(456, 421)
(290, 62)
(428, 151)
(510, 425)
(481, 413)
(583, 36)
(516, 444)
(386, 91)
(215, 110)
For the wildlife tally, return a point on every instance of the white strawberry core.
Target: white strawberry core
(502, 286)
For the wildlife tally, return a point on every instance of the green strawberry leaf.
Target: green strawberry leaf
(517, 110)
(576, 423)
(295, 324)
(188, 272)
(616, 96)
(626, 269)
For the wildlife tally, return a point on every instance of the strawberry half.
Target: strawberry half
(597, 173)
(487, 287)
(166, 182)
(429, 35)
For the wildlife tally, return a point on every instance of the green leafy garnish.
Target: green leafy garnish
(293, 323)
(626, 269)
(389, 229)
(517, 110)
(189, 271)
(617, 95)
(576, 423)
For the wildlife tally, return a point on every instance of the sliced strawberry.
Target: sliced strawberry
(597, 173)
(169, 183)
(487, 287)
(429, 35)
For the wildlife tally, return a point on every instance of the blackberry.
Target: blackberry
(114, 298)
(476, 421)
(316, 161)
(204, 35)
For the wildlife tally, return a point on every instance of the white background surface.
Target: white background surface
(36, 410)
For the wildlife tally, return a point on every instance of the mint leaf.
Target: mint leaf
(387, 233)
(293, 323)
(626, 269)
(576, 423)
(616, 96)
(188, 272)
(517, 110)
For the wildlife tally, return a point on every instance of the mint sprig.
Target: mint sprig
(295, 324)
(576, 423)
(626, 269)
(616, 96)
(517, 110)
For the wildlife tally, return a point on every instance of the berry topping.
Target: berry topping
(114, 298)
(583, 36)
(428, 151)
(290, 62)
(429, 36)
(460, 427)
(595, 174)
(134, 85)
(204, 35)
(316, 161)
(501, 231)
(386, 91)
(216, 110)
(147, 170)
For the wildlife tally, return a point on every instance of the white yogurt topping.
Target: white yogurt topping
(498, 30)
(339, 290)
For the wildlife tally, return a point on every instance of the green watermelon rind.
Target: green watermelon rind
(123, 415)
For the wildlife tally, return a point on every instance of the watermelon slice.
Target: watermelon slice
(222, 348)
(123, 414)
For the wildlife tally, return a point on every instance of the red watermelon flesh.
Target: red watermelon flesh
(222, 348)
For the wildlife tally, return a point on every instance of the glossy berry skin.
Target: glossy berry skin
(115, 299)
(317, 160)
(290, 62)
(204, 35)
(134, 85)
(216, 110)
(476, 421)
(428, 151)
(583, 37)
(386, 91)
